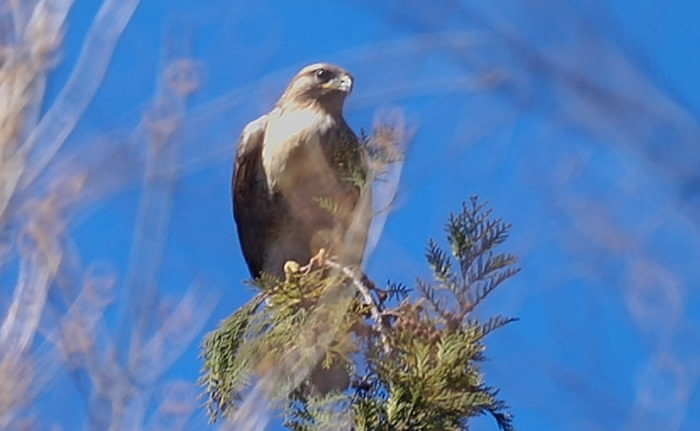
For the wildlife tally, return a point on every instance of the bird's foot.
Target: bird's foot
(318, 261)
(291, 267)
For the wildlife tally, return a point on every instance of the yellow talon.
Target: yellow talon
(291, 267)
(318, 261)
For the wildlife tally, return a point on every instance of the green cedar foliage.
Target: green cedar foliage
(404, 362)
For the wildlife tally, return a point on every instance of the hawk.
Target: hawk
(300, 180)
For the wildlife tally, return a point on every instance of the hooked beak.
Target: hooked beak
(344, 83)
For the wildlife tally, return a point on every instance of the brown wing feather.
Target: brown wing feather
(253, 206)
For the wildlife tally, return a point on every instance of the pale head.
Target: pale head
(319, 85)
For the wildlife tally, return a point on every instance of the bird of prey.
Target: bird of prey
(300, 181)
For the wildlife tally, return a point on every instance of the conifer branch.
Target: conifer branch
(421, 354)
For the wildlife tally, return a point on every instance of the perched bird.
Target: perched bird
(300, 181)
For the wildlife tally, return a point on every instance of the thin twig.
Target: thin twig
(369, 301)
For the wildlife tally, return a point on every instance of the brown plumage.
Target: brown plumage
(300, 177)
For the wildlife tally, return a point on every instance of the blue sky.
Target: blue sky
(577, 121)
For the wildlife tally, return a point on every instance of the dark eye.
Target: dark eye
(324, 75)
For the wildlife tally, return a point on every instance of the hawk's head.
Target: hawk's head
(320, 85)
